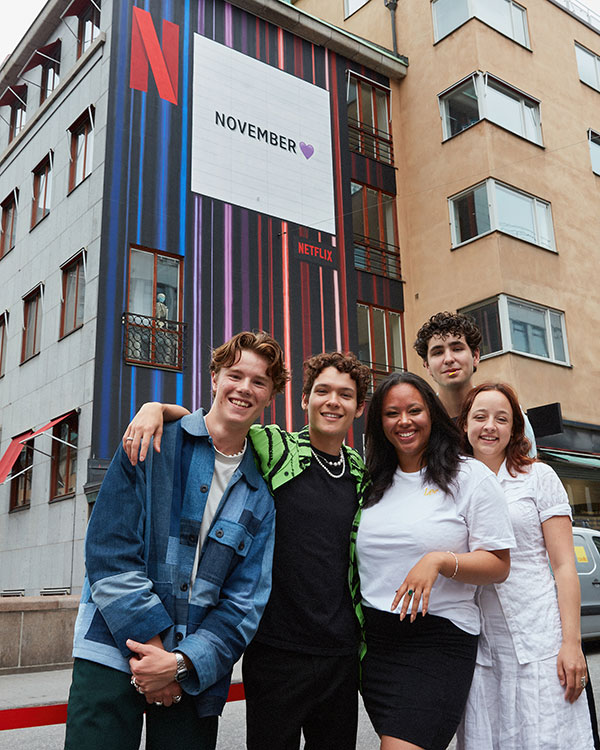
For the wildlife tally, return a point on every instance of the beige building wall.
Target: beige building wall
(429, 171)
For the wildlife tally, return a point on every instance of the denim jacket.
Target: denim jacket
(140, 549)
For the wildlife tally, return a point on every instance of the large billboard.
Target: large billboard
(261, 138)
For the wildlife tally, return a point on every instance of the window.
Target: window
(89, 26)
(594, 139)
(369, 119)
(73, 295)
(20, 485)
(588, 65)
(50, 77)
(18, 116)
(9, 223)
(374, 226)
(32, 324)
(481, 96)
(15, 97)
(64, 457)
(351, 6)
(82, 148)
(379, 340)
(506, 16)
(42, 190)
(510, 324)
(3, 338)
(493, 206)
(154, 331)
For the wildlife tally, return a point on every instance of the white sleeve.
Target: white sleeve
(486, 513)
(551, 497)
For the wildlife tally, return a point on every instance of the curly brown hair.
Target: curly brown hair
(262, 344)
(517, 450)
(446, 324)
(348, 362)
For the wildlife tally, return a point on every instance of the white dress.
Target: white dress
(516, 701)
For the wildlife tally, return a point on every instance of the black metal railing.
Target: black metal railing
(374, 256)
(153, 342)
(379, 373)
(370, 141)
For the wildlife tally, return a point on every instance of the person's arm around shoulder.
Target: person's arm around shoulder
(147, 424)
(558, 538)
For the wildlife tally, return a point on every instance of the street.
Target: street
(231, 731)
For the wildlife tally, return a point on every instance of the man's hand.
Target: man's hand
(153, 667)
(166, 695)
(147, 423)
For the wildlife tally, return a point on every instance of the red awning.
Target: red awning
(51, 52)
(13, 94)
(75, 8)
(17, 443)
(12, 453)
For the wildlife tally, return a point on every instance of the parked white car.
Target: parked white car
(587, 560)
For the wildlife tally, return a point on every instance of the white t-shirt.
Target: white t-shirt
(414, 517)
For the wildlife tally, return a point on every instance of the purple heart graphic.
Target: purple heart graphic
(307, 149)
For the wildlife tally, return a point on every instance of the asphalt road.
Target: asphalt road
(231, 731)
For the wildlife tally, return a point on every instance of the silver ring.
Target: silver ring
(583, 682)
(136, 686)
(127, 439)
(176, 699)
(158, 703)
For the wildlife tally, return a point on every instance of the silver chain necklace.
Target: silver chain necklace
(323, 463)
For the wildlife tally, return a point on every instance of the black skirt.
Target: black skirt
(416, 676)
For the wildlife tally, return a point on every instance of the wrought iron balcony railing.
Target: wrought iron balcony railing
(153, 342)
(379, 373)
(370, 141)
(377, 257)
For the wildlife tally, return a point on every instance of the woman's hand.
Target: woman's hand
(571, 669)
(147, 423)
(418, 584)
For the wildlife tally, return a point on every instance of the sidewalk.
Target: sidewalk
(34, 689)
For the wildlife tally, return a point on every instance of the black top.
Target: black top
(310, 608)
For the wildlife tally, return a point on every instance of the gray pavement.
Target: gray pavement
(45, 688)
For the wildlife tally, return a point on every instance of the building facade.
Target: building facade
(497, 153)
(171, 173)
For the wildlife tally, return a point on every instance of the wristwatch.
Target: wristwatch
(181, 673)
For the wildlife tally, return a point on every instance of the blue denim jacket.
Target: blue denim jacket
(140, 549)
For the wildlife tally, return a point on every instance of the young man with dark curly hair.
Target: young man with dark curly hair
(301, 670)
(450, 346)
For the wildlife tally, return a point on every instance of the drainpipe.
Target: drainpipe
(392, 5)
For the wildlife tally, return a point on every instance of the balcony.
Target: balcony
(153, 342)
(376, 257)
(370, 141)
(379, 373)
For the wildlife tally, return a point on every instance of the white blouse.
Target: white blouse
(528, 596)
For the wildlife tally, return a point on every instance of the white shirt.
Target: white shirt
(414, 517)
(528, 596)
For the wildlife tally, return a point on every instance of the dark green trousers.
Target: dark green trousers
(106, 711)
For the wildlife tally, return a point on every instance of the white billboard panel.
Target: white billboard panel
(261, 138)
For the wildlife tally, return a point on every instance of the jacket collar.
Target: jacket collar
(195, 424)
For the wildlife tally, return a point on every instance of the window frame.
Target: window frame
(379, 369)
(9, 208)
(42, 171)
(381, 136)
(593, 144)
(348, 12)
(472, 13)
(72, 446)
(502, 301)
(90, 13)
(494, 215)
(18, 119)
(596, 61)
(77, 260)
(378, 246)
(20, 486)
(35, 296)
(82, 127)
(50, 71)
(3, 341)
(481, 83)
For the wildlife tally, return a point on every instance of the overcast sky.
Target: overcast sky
(19, 18)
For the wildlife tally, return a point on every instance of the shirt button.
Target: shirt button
(219, 533)
(193, 538)
(184, 587)
(204, 488)
(178, 636)
(241, 546)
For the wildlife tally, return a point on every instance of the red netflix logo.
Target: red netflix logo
(164, 61)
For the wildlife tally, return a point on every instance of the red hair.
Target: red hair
(517, 450)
